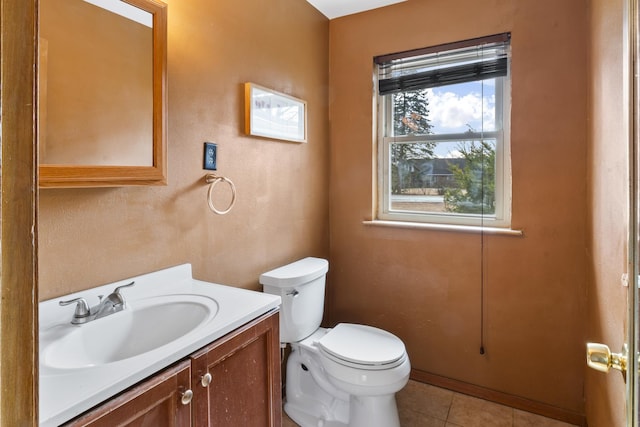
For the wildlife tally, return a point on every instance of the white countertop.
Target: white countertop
(66, 393)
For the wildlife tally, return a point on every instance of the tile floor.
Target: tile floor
(423, 405)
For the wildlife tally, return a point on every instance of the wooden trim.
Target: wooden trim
(502, 398)
(71, 176)
(99, 176)
(19, 197)
(275, 373)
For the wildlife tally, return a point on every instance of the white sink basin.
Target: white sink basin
(143, 326)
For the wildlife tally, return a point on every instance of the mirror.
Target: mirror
(102, 93)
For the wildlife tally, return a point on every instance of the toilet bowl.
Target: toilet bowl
(343, 376)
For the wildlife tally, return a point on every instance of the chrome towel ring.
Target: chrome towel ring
(212, 180)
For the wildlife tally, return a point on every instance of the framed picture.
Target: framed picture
(272, 114)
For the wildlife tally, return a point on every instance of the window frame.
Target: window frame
(503, 189)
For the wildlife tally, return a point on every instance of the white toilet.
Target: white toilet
(344, 376)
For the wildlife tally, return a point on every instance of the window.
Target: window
(443, 138)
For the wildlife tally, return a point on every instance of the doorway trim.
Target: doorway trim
(632, 115)
(18, 214)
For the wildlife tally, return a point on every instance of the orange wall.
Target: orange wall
(89, 237)
(607, 226)
(424, 285)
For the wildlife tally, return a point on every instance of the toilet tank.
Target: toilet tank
(301, 287)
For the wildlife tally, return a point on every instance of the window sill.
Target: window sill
(444, 227)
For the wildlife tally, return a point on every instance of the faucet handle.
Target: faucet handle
(82, 308)
(128, 285)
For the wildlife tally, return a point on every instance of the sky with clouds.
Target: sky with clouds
(455, 108)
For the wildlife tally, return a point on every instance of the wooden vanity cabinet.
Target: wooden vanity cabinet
(245, 383)
(243, 387)
(156, 402)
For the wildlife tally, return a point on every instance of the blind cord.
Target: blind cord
(482, 195)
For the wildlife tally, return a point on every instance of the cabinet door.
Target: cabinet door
(245, 386)
(156, 402)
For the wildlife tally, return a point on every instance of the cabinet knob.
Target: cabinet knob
(205, 380)
(186, 397)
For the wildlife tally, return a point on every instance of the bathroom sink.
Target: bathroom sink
(168, 316)
(143, 326)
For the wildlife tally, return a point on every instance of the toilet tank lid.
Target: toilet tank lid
(295, 274)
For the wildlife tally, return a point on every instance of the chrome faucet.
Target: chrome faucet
(113, 303)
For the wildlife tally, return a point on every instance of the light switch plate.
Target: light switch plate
(210, 156)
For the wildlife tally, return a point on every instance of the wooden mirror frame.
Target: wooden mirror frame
(65, 176)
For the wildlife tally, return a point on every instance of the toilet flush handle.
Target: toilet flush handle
(294, 293)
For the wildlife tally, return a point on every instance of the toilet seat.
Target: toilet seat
(362, 347)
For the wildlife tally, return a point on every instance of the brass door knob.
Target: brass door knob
(600, 358)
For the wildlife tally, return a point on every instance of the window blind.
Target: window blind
(460, 62)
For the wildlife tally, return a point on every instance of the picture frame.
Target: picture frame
(274, 115)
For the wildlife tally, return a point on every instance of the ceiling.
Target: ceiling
(337, 8)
